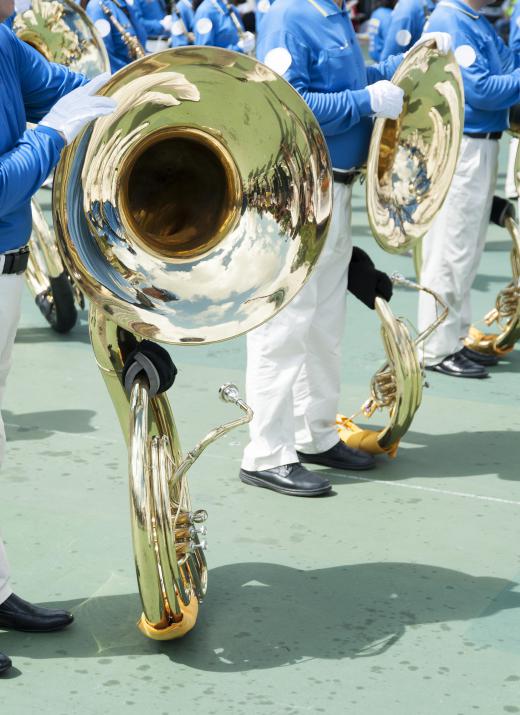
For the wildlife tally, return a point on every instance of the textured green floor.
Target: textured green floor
(398, 594)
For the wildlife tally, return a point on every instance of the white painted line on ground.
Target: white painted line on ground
(445, 492)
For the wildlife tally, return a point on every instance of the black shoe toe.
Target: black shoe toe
(457, 365)
(341, 457)
(19, 615)
(5, 663)
(292, 479)
(479, 358)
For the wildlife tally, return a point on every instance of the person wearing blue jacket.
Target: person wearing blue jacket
(123, 11)
(151, 15)
(378, 25)
(262, 8)
(215, 25)
(454, 245)
(514, 44)
(406, 25)
(60, 104)
(182, 24)
(293, 361)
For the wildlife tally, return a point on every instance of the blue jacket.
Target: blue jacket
(406, 25)
(29, 87)
(491, 82)
(262, 8)
(150, 13)
(514, 32)
(117, 50)
(377, 30)
(214, 27)
(185, 10)
(313, 45)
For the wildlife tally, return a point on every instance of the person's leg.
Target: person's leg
(275, 353)
(449, 249)
(510, 186)
(316, 391)
(10, 301)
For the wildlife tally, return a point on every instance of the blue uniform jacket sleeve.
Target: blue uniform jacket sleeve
(151, 27)
(514, 34)
(24, 169)
(209, 39)
(335, 111)
(42, 82)
(384, 70)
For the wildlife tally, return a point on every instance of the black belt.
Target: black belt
(483, 135)
(16, 262)
(345, 177)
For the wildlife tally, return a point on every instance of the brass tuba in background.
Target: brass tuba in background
(410, 166)
(192, 214)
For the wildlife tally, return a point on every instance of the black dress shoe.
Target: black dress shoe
(341, 457)
(479, 358)
(19, 615)
(457, 365)
(5, 663)
(290, 479)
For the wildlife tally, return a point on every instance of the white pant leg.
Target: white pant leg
(276, 352)
(317, 388)
(510, 187)
(10, 305)
(453, 246)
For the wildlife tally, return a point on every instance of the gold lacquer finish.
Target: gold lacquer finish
(198, 209)
(135, 48)
(506, 313)
(191, 215)
(412, 159)
(44, 258)
(397, 386)
(62, 32)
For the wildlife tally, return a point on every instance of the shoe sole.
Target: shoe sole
(35, 630)
(338, 465)
(452, 374)
(255, 482)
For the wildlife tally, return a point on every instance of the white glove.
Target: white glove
(167, 23)
(442, 39)
(247, 43)
(386, 99)
(22, 5)
(77, 108)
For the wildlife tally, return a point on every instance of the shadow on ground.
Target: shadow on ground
(45, 334)
(262, 615)
(40, 425)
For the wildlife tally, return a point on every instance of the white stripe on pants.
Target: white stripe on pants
(453, 246)
(10, 304)
(293, 361)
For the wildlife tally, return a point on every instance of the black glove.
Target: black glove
(501, 209)
(365, 281)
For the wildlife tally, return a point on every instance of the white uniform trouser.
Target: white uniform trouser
(453, 246)
(293, 361)
(510, 186)
(10, 303)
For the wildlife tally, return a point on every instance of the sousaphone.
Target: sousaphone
(191, 215)
(409, 170)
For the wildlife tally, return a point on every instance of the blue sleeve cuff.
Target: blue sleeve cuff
(362, 99)
(59, 141)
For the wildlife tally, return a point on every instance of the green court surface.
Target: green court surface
(400, 593)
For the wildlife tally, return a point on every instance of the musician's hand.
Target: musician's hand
(365, 281)
(386, 99)
(442, 40)
(75, 110)
(167, 23)
(247, 42)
